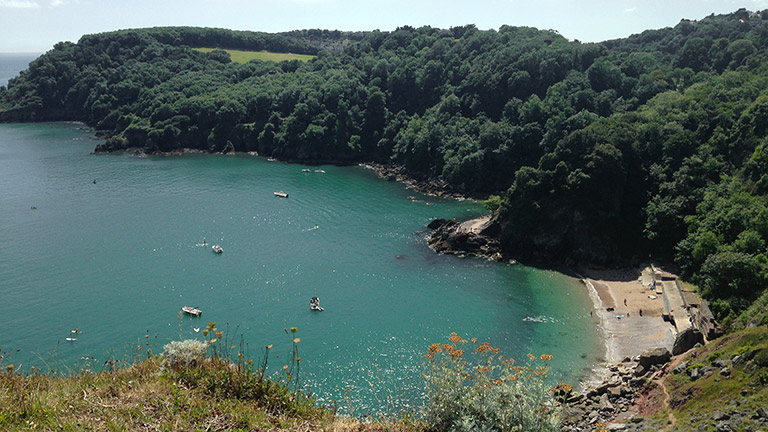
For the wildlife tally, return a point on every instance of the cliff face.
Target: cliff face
(477, 237)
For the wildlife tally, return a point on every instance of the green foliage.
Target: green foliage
(492, 203)
(486, 392)
(185, 353)
(600, 153)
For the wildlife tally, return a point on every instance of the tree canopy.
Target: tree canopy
(600, 152)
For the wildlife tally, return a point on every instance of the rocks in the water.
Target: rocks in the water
(449, 238)
(686, 340)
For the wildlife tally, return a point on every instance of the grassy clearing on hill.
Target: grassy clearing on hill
(246, 56)
(732, 387)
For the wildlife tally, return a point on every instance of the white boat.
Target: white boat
(217, 249)
(192, 311)
(320, 171)
(306, 170)
(281, 194)
(314, 304)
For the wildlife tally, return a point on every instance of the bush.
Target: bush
(184, 353)
(490, 394)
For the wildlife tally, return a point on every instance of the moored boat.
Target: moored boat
(192, 311)
(217, 249)
(281, 194)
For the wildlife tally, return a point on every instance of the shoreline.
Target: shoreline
(625, 333)
(623, 338)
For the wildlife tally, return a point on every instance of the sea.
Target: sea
(106, 249)
(12, 63)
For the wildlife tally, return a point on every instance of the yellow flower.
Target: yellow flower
(293, 329)
(297, 340)
(269, 346)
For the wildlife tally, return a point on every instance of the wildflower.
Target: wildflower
(296, 340)
(293, 329)
(269, 346)
(474, 340)
(546, 357)
(232, 347)
(219, 334)
(531, 356)
(454, 338)
(457, 353)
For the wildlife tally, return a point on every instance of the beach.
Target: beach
(619, 296)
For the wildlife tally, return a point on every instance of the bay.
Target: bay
(113, 247)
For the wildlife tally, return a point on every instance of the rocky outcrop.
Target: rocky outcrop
(468, 238)
(657, 356)
(686, 340)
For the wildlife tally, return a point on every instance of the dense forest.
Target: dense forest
(653, 145)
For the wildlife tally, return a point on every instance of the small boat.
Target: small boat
(306, 170)
(71, 339)
(217, 249)
(281, 194)
(192, 311)
(314, 304)
(271, 159)
(320, 171)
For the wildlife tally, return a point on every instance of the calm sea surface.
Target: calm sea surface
(118, 258)
(12, 63)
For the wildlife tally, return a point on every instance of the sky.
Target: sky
(36, 25)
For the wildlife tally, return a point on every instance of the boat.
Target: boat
(71, 339)
(281, 194)
(314, 304)
(217, 249)
(306, 170)
(320, 171)
(192, 311)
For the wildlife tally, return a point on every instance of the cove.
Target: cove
(114, 249)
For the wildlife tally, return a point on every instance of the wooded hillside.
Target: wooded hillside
(602, 152)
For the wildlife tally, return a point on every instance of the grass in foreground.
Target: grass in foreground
(246, 56)
(204, 385)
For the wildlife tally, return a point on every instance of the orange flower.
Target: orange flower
(474, 340)
(531, 356)
(455, 338)
(546, 357)
(457, 353)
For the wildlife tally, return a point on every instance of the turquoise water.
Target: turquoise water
(118, 258)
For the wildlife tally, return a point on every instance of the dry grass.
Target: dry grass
(238, 56)
(147, 397)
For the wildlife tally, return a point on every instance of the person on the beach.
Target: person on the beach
(625, 302)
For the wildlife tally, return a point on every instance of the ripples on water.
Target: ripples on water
(118, 258)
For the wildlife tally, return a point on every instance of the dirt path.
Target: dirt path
(660, 382)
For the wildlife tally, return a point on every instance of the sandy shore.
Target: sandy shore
(626, 332)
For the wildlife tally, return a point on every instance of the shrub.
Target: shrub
(184, 353)
(489, 394)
